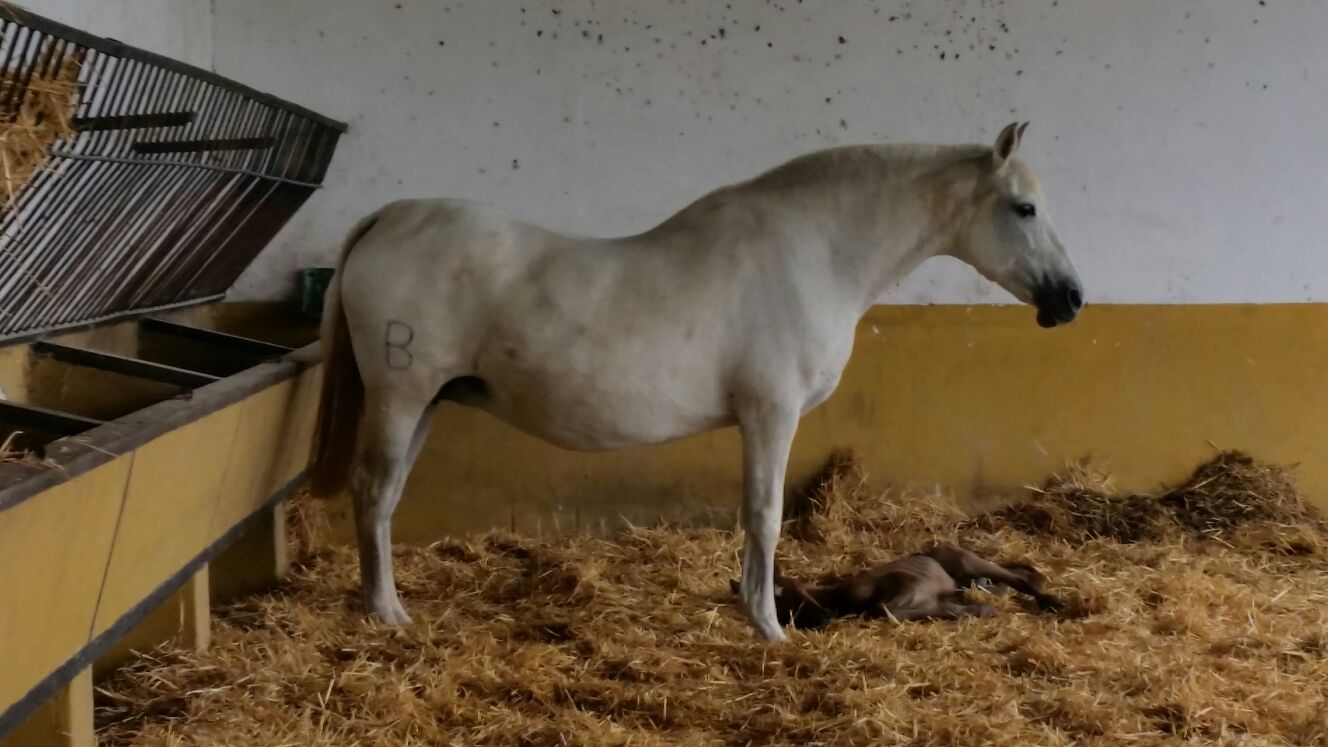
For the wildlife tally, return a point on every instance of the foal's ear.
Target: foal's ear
(1008, 142)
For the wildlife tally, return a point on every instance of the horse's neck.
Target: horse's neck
(871, 211)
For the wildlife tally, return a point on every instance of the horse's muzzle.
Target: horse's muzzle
(1058, 302)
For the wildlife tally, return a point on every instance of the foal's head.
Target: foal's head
(794, 604)
(1009, 238)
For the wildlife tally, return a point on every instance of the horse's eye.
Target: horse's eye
(1025, 210)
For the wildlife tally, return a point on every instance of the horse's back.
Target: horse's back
(430, 231)
(424, 250)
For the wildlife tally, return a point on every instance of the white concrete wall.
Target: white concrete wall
(1181, 142)
(176, 28)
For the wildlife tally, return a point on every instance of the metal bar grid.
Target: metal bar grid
(168, 183)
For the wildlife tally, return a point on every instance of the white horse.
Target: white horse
(739, 309)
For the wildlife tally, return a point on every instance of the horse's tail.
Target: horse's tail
(341, 401)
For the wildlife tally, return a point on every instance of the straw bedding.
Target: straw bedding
(1195, 616)
(42, 116)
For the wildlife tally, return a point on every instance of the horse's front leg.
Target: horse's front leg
(767, 434)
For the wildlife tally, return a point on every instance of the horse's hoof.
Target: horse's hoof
(767, 628)
(391, 614)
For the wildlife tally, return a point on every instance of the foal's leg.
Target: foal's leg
(767, 435)
(907, 603)
(905, 612)
(394, 430)
(965, 565)
(956, 610)
(938, 610)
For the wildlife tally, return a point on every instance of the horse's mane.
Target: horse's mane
(834, 165)
(848, 160)
(851, 161)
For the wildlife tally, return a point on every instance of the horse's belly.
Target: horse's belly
(601, 413)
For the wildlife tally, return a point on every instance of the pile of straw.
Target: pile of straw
(1230, 498)
(27, 132)
(1183, 635)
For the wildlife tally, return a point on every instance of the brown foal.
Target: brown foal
(926, 585)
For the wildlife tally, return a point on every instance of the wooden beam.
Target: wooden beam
(196, 613)
(64, 720)
(239, 344)
(119, 364)
(258, 561)
(183, 620)
(44, 419)
(132, 121)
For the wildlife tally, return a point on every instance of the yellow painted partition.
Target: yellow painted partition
(977, 400)
(166, 511)
(86, 556)
(53, 555)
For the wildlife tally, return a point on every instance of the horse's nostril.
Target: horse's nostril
(1075, 298)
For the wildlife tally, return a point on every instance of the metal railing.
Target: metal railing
(165, 183)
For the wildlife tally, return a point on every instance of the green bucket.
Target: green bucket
(313, 286)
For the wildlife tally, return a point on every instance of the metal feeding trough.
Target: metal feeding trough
(148, 429)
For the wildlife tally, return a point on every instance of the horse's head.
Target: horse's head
(1010, 239)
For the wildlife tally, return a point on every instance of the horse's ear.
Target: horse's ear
(1007, 143)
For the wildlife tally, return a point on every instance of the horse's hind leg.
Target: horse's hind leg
(394, 430)
(767, 435)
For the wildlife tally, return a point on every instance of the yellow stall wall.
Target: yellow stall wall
(78, 556)
(978, 400)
